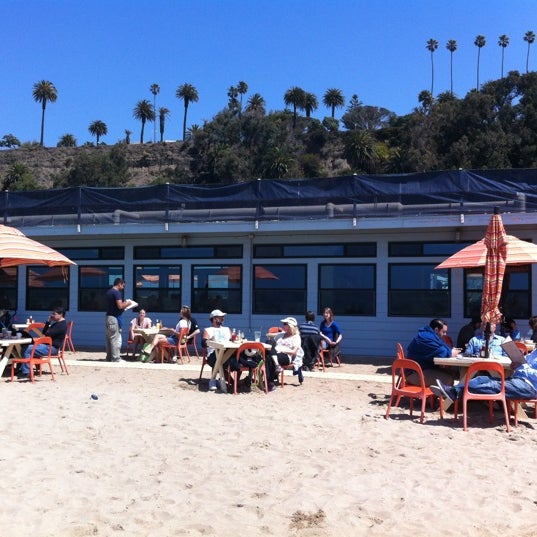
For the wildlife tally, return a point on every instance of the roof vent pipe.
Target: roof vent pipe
(521, 201)
(330, 210)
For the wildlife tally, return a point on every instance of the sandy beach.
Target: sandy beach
(156, 454)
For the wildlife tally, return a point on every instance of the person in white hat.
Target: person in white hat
(286, 350)
(214, 332)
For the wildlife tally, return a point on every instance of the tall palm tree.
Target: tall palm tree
(189, 94)
(310, 103)
(256, 103)
(163, 113)
(143, 111)
(503, 41)
(44, 92)
(242, 89)
(333, 98)
(529, 37)
(233, 102)
(98, 128)
(154, 89)
(294, 97)
(479, 42)
(431, 46)
(452, 47)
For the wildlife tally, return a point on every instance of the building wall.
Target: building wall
(364, 336)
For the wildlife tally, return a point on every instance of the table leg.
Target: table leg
(6, 354)
(222, 356)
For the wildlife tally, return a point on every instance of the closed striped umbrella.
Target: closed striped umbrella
(17, 249)
(496, 260)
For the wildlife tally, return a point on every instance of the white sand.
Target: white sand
(158, 455)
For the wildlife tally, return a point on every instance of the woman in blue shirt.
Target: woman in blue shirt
(331, 335)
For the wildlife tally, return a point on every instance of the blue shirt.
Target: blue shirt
(331, 332)
(427, 345)
(476, 343)
(528, 371)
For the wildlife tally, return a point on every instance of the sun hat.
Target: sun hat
(217, 313)
(291, 321)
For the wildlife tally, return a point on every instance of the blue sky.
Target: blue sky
(103, 55)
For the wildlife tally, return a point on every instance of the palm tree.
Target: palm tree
(256, 103)
(310, 103)
(431, 46)
(44, 92)
(163, 113)
(98, 128)
(128, 136)
(452, 47)
(189, 94)
(529, 37)
(143, 111)
(67, 140)
(294, 96)
(333, 98)
(242, 89)
(154, 89)
(233, 102)
(503, 41)
(479, 42)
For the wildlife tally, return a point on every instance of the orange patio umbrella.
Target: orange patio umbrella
(17, 249)
(518, 252)
(495, 262)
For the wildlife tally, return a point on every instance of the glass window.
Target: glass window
(222, 251)
(47, 287)
(365, 249)
(109, 252)
(418, 290)
(419, 249)
(8, 288)
(217, 287)
(515, 301)
(279, 289)
(348, 289)
(158, 287)
(93, 282)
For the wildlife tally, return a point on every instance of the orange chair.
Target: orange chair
(192, 343)
(34, 361)
(204, 360)
(36, 329)
(448, 340)
(180, 348)
(517, 402)
(522, 347)
(401, 389)
(493, 367)
(69, 337)
(257, 346)
(61, 357)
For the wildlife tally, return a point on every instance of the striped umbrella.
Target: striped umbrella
(17, 249)
(496, 260)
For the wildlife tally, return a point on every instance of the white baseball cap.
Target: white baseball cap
(291, 321)
(217, 313)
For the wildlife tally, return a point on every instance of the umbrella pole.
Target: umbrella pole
(487, 334)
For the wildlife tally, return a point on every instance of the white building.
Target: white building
(366, 246)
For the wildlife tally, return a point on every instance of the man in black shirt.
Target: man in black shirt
(55, 328)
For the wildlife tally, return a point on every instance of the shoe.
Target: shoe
(271, 387)
(22, 376)
(213, 385)
(120, 361)
(442, 391)
(247, 383)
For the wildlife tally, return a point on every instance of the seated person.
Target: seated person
(509, 329)
(478, 342)
(467, 332)
(55, 328)
(427, 345)
(331, 335)
(286, 350)
(311, 339)
(215, 332)
(140, 321)
(522, 384)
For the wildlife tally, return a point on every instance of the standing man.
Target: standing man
(115, 306)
